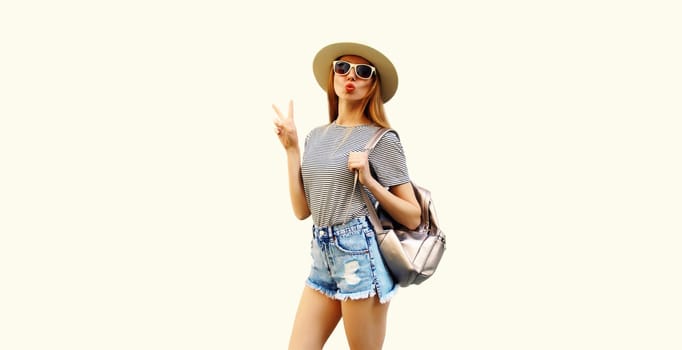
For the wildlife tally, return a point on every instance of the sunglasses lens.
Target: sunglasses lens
(341, 67)
(363, 71)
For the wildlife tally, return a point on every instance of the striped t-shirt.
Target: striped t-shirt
(326, 179)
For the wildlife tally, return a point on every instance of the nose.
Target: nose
(351, 74)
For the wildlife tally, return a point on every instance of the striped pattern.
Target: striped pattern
(328, 182)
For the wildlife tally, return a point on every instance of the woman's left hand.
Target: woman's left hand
(359, 161)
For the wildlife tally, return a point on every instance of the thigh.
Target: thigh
(316, 318)
(364, 321)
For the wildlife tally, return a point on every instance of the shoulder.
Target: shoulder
(391, 137)
(317, 131)
(389, 146)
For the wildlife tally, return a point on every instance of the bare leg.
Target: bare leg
(316, 318)
(365, 323)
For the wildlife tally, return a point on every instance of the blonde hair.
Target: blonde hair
(372, 104)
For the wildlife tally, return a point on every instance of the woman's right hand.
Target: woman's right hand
(285, 127)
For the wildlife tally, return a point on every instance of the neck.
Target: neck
(351, 114)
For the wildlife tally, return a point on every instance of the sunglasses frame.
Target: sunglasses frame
(352, 67)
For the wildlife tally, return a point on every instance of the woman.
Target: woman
(348, 278)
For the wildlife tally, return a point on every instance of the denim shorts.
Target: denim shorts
(347, 263)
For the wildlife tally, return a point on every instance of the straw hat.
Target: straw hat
(385, 69)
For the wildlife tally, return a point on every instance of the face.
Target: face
(351, 86)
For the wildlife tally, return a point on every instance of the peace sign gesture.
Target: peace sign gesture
(285, 127)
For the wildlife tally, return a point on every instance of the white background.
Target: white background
(143, 196)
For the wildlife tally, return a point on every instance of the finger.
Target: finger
(279, 113)
(277, 122)
(291, 109)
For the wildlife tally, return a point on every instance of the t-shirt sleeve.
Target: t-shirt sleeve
(388, 162)
(307, 139)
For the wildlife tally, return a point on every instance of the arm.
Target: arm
(286, 131)
(296, 191)
(399, 202)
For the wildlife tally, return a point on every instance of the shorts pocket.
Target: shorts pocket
(355, 243)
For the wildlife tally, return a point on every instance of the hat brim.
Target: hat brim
(385, 69)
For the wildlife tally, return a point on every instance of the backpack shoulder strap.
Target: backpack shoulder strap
(373, 216)
(377, 136)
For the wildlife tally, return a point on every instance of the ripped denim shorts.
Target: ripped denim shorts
(347, 263)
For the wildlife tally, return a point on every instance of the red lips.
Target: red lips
(350, 87)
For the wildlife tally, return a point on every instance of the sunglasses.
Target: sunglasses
(362, 70)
